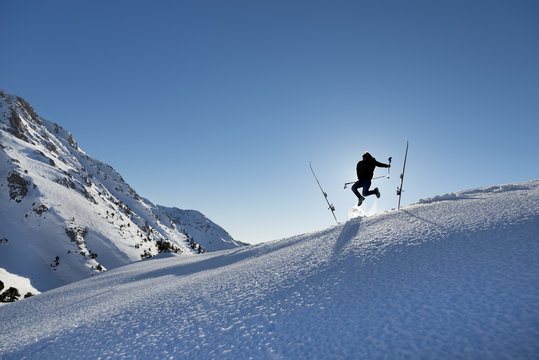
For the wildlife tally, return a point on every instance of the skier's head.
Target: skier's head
(367, 155)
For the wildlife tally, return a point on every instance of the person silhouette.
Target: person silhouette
(365, 171)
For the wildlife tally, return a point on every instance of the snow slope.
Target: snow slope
(65, 216)
(455, 277)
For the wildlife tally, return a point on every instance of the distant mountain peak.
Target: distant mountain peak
(65, 216)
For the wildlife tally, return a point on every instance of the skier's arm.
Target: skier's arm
(379, 164)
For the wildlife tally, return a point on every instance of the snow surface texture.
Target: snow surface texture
(456, 277)
(65, 216)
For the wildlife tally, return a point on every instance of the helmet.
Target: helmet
(367, 155)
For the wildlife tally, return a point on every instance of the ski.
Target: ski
(331, 207)
(399, 189)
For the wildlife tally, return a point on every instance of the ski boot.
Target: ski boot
(360, 200)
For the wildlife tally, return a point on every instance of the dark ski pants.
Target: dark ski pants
(365, 184)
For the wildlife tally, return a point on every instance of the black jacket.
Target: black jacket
(365, 168)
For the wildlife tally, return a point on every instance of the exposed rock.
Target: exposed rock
(17, 186)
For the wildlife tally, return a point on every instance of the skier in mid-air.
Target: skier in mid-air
(365, 172)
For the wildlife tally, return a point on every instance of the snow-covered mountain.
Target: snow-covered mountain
(65, 216)
(453, 277)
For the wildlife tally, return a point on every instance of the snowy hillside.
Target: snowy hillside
(65, 216)
(454, 277)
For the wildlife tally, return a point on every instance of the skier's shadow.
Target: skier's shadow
(348, 232)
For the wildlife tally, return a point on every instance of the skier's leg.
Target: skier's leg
(366, 186)
(357, 185)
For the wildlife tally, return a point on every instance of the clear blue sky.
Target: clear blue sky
(220, 105)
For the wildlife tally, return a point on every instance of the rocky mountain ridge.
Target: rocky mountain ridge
(65, 216)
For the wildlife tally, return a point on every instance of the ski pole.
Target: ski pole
(348, 183)
(389, 168)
